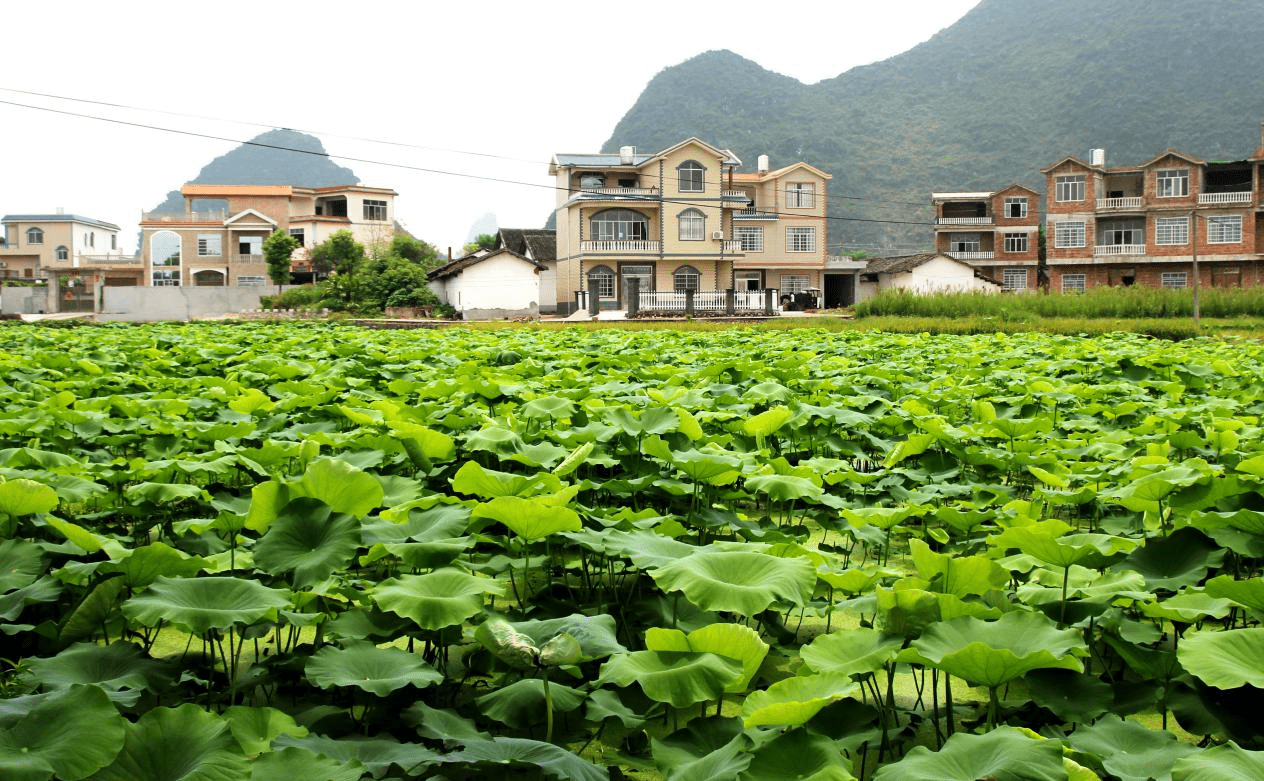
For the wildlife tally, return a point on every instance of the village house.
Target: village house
(218, 239)
(997, 232)
(73, 254)
(929, 272)
(684, 219)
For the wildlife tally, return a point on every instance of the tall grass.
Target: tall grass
(1102, 302)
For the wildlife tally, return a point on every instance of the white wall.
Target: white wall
(937, 275)
(134, 304)
(499, 283)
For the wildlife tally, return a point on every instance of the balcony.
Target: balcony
(218, 215)
(1219, 198)
(110, 260)
(1119, 203)
(752, 213)
(972, 255)
(1119, 249)
(642, 193)
(731, 246)
(963, 220)
(621, 245)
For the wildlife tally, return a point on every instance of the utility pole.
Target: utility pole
(1193, 219)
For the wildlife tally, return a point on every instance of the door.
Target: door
(643, 273)
(840, 290)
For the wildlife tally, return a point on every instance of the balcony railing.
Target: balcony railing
(622, 192)
(1238, 197)
(963, 220)
(973, 255)
(1119, 203)
(730, 246)
(1119, 249)
(713, 302)
(218, 215)
(110, 260)
(618, 246)
(754, 214)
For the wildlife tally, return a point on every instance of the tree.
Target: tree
(484, 241)
(419, 252)
(340, 252)
(277, 250)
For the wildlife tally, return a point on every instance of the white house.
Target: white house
(489, 285)
(926, 273)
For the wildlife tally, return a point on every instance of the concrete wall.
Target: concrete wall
(134, 304)
(23, 300)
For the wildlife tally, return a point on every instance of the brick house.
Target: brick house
(995, 232)
(1146, 224)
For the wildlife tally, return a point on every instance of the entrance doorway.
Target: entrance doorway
(840, 290)
(643, 273)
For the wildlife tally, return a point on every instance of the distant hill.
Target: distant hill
(1013, 86)
(274, 157)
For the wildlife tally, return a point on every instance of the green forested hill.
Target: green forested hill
(1010, 88)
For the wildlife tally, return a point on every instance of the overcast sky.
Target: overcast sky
(430, 99)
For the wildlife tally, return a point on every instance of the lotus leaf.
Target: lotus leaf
(200, 604)
(376, 754)
(309, 540)
(26, 497)
(1248, 593)
(294, 762)
(1128, 750)
(545, 757)
(142, 566)
(741, 582)
(730, 640)
(185, 743)
(122, 670)
(21, 563)
(72, 733)
(991, 653)
(376, 670)
(1225, 660)
(801, 755)
(523, 703)
(674, 677)
(1228, 762)
(531, 519)
(255, 728)
(793, 701)
(437, 599)
(1004, 754)
(857, 651)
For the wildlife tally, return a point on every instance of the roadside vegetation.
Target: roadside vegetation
(1131, 303)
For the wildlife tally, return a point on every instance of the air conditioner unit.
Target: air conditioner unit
(4, 264)
(717, 235)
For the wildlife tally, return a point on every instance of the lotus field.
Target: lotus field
(309, 551)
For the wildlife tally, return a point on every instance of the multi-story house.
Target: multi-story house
(684, 219)
(218, 238)
(40, 246)
(1147, 224)
(998, 233)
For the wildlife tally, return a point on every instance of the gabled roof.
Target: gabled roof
(615, 160)
(241, 215)
(903, 264)
(728, 158)
(757, 176)
(452, 268)
(1071, 159)
(58, 218)
(1170, 152)
(539, 245)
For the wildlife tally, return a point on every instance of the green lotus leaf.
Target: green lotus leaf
(801, 755)
(1071, 696)
(854, 580)
(793, 701)
(783, 488)
(1228, 762)
(200, 604)
(574, 459)
(531, 519)
(160, 493)
(1225, 660)
(677, 678)
(310, 540)
(432, 445)
(376, 754)
(142, 566)
(92, 612)
(122, 670)
(474, 480)
(596, 635)
(545, 757)
(184, 743)
(364, 666)
(21, 564)
(1004, 754)
(710, 468)
(1188, 607)
(294, 762)
(727, 761)
(734, 641)
(71, 733)
(522, 703)
(879, 517)
(1248, 593)
(437, 599)
(508, 644)
(1182, 558)
(562, 649)
(735, 581)
(961, 576)
(605, 704)
(254, 729)
(26, 497)
(345, 488)
(991, 653)
(443, 725)
(767, 422)
(906, 611)
(1128, 750)
(851, 652)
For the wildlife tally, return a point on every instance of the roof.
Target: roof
(58, 218)
(615, 159)
(1170, 152)
(959, 196)
(905, 263)
(236, 189)
(539, 245)
(454, 267)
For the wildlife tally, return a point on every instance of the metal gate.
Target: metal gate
(77, 296)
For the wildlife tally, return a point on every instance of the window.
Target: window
(1174, 279)
(592, 181)
(250, 281)
(298, 234)
(963, 242)
(601, 281)
(1171, 230)
(693, 225)
(113, 241)
(1014, 278)
(801, 239)
(1015, 208)
(250, 245)
(167, 278)
(1073, 283)
(1069, 188)
(374, 210)
(1224, 230)
(90, 239)
(1069, 233)
(749, 280)
(1016, 242)
(1172, 182)
(691, 176)
(793, 283)
(686, 278)
(210, 244)
(1126, 235)
(34, 236)
(619, 225)
(63, 253)
(752, 239)
(801, 195)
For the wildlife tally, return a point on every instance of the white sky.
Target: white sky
(397, 90)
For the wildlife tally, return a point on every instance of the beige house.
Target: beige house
(684, 219)
(35, 244)
(218, 239)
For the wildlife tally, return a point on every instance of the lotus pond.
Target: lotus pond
(302, 550)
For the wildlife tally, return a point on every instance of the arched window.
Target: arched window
(686, 278)
(693, 225)
(691, 175)
(34, 236)
(164, 249)
(601, 281)
(63, 253)
(619, 225)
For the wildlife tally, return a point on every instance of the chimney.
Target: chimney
(626, 155)
(762, 164)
